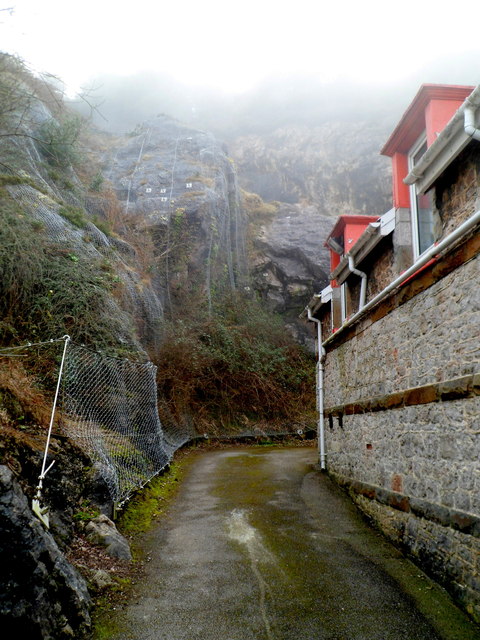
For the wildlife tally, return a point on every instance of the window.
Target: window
(420, 206)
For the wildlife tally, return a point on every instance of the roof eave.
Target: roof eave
(317, 301)
(369, 239)
(449, 143)
(426, 93)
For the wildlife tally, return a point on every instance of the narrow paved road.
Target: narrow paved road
(259, 546)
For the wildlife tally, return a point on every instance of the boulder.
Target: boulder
(100, 579)
(102, 531)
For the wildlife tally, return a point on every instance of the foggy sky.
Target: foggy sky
(235, 47)
(125, 101)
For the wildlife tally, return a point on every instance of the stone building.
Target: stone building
(398, 329)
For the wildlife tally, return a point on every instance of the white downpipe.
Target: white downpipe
(363, 286)
(320, 369)
(469, 123)
(423, 259)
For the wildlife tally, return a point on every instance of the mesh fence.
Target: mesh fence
(110, 409)
(109, 406)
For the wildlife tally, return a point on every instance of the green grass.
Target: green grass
(141, 511)
(75, 215)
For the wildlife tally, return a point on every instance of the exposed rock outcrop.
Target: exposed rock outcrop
(180, 185)
(288, 264)
(42, 596)
(102, 531)
(317, 172)
(180, 182)
(335, 166)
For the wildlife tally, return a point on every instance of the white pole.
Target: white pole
(42, 513)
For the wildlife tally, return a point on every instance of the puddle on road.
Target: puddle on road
(241, 531)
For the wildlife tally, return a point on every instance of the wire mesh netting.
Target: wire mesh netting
(109, 406)
(110, 409)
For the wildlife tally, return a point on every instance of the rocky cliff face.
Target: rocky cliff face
(42, 595)
(317, 173)
(288, 261)
(181, 187)
(334, 166)
(293, 140)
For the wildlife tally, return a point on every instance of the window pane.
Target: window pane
(419, 153)
(425, 222)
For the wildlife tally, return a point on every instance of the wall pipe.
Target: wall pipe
(423, 259)
(363, 286)
(320, 370)
(469, 123)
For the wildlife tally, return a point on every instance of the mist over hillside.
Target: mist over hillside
(124, 101)
(294, 138)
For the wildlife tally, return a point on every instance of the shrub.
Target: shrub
(46, 290)
(57, 141)
(96, 183)
(235, 367)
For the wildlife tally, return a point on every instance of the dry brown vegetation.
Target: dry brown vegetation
(21, 401)
(236, 370)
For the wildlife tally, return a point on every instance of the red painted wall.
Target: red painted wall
(350, 228)
(430, 111)
(334, 262)
(437, 115)
(401, 193)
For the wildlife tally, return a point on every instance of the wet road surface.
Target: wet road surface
(259, 546)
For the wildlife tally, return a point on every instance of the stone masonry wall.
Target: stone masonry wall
(403, 429)
(428, 451)
(450, 556)
(431, 338)
(457, 192)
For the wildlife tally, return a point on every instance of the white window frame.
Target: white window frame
(343, 302)
(414, 198)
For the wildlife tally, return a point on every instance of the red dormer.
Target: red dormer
(427, 115)
(344, 235)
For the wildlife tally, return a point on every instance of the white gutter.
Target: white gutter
(363, 286)
(423, 259)
(317, 300)
(450, 142)
(320, 370)
(469, 123)
(369, 239)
